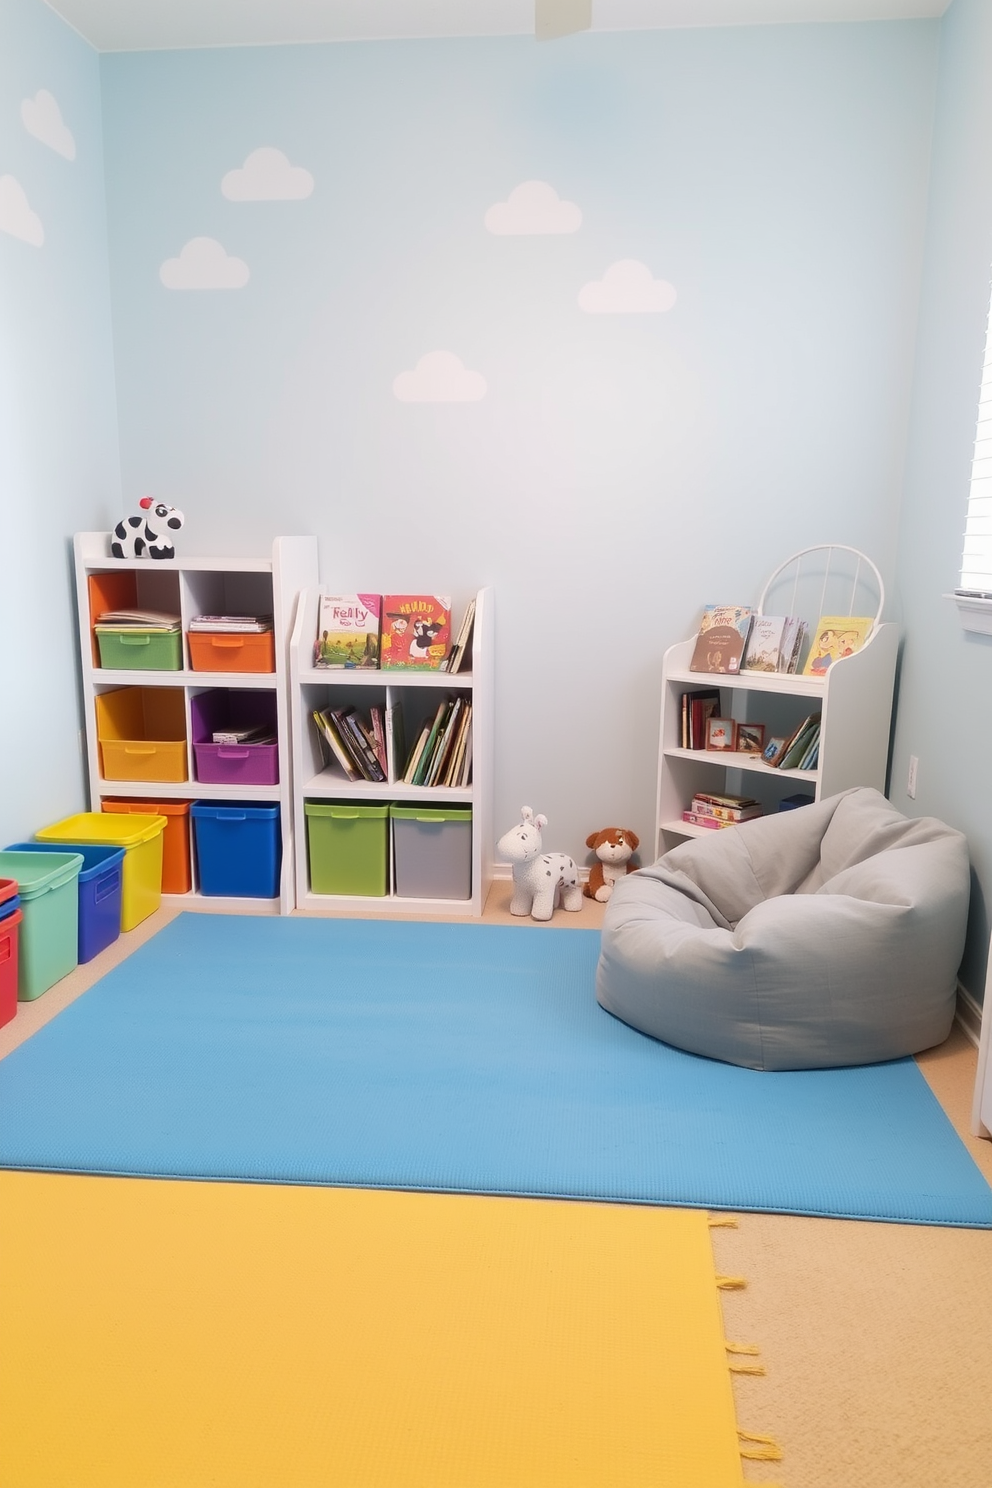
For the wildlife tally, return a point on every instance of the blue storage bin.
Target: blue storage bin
(238, 848)
(100, 881)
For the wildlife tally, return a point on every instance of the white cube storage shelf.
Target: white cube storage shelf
(189, 587)
(417, 693)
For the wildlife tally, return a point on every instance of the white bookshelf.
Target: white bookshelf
(854, 699)
(188, 587)
(417, 693)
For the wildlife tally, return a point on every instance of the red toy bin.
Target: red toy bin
(10, 918)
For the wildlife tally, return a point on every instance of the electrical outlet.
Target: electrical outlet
(914, 765)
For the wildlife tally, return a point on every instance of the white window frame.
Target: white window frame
(973, 596)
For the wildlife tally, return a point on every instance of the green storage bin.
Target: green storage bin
(432, 851)
(134, 650)
(348, 847)
(48, 885)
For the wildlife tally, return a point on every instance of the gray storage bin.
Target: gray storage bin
(432, 851)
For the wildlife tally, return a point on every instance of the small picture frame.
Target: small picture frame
(750, 738)
(720, 734)
(772, 750)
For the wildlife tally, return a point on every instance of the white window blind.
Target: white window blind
(976, 565)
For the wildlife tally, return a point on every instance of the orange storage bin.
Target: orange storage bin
(177, 876)
(142, 734)
(222, 651)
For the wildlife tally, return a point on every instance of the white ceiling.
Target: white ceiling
(151, 25)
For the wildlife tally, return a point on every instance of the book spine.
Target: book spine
(711, 822)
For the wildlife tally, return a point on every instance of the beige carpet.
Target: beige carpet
(876, 1338)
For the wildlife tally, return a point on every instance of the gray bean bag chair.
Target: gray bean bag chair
(829, 935)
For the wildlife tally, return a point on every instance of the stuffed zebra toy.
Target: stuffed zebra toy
(147, 535)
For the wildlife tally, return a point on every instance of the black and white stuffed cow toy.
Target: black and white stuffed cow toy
(147, 535)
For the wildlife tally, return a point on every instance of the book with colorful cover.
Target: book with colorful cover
(347, 631)
(416, 630)
(723, 633)
(835, 637)
(712, 823)
(764, 644)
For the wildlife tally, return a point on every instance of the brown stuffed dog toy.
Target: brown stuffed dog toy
(614, 847)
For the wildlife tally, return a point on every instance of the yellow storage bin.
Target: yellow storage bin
(142, 838)
(142, 734)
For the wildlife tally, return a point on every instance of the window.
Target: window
(974, 593)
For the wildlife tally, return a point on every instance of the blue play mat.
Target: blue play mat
(451, 1057)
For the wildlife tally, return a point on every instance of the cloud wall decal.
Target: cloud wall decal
(267, 176)
(42, 117)
(16, 216)
(627, 288)
(204, 264)
(440, 377)
(533, 207)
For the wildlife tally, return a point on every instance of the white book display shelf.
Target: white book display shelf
(854, 699)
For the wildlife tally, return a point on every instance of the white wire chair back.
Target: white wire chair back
(847, 580)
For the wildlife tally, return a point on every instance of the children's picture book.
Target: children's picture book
(764, 644)
(835, 637)
(347, 631)
(462, 646)
(792, 643)
(416, 630)
(723, 633)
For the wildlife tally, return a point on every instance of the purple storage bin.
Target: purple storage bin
(233, 764)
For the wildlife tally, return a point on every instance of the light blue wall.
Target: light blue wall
(621, 469)
(945, 697)
(58, 433)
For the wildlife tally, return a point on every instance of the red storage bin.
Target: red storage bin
(10, 918)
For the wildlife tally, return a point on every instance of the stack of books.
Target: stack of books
(158, 621)
(370, 746)
(357, 742)
(801, 750)
(232, 624)
(716, 810)
(442, 754)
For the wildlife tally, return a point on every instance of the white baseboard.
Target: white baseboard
(968, 1015)
(504, 872)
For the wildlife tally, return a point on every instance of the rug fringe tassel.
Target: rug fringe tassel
(722, 1222)
(757, 1448)
(743, 1348)
(731, 1283)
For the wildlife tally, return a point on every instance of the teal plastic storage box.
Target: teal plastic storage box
(47, 884)
(432, 851)
(100, 882)
(348, 847)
